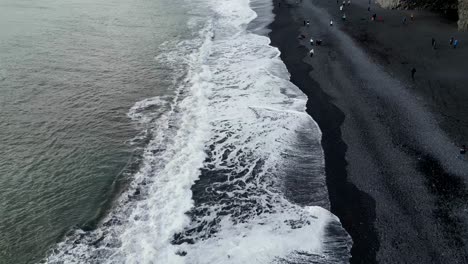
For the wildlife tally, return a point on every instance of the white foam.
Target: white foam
(258, 115)
(140, 227)
(262, 240)
(235, 116)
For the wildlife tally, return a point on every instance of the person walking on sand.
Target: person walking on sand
(349, 2)
(311, 53)
(451, 41)
(462, 152)
(404, 21)
(455, 43)
(413, 71)
(341, 7)
(434, 43)
(311, 42)
(331, 23)
(308, 23)
(412, 17)
(343, 17)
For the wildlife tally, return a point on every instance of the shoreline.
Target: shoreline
(392, 180)
(356, 218)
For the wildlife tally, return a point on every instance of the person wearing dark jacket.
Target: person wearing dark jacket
(413, 71)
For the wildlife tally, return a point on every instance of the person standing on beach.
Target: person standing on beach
(412, 17)
(462, 152)
(349, 2)
(331, 23)
(311, 42)
(451, 41)
(343, 17)
(433, 43)
(455, 43)
(311, 53)
(413, 71)
(307, 23)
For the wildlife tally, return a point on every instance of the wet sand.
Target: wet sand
(390, 144)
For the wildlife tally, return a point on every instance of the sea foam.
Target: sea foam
(211, 184)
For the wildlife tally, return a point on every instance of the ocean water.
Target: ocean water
(156, 132)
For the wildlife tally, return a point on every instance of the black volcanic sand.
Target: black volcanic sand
(393, 173)
(442, 73)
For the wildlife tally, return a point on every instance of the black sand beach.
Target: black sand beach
(391, 145)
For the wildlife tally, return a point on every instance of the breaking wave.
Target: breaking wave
(226, 156)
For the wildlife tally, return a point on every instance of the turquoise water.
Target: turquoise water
(69, 73)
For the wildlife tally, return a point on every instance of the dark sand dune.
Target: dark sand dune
(391, 144)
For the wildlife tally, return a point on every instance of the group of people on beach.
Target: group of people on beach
(342, 8)
(452, 43)
(318, 42)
